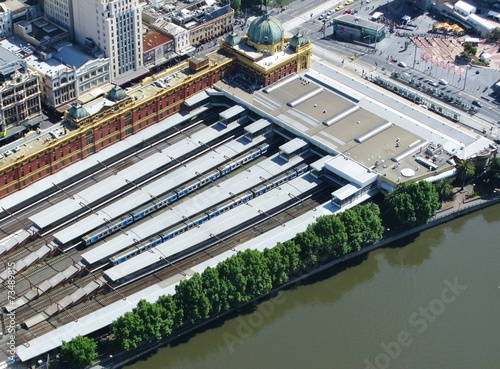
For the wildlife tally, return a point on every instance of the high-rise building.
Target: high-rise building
(115, 26)
(59, 12)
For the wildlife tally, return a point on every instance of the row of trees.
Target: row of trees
(251, 274)
(248, 275)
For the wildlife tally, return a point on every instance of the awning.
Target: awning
(387, 187)
(438, 177)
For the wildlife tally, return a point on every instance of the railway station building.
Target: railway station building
(320, 118)
(262, 57)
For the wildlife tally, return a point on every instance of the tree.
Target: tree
(233, 281)
(465, 169)
(259, 281)
(127, 330)
(191, 299)
(79, 352)
(236, 5)
(212, 288)
(309, 244)
(372, 229)
(469, 50)
(494, 173)
(444, 189)
(169, 314)
(494, 34)
(353, 228)
(151, 318)
(414, 203)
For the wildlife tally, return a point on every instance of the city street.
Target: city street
(466, 82)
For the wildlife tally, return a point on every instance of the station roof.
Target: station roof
(345, 191)
(231, 112)
(293, 146)
(349, 169)
(257, 126)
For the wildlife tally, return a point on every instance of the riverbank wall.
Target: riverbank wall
(457, 210)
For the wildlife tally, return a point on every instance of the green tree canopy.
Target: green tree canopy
(259, 281)
(127, 330)
(465, 170)
(494, 34)
(494, 173)
(79, 352)
(469, 49)
(190, 298)
(444, 189)
(414, 203)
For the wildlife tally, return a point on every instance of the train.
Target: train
(207, 215)
(168, 198)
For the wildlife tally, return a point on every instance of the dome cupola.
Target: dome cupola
(78, 112)
(265, 30)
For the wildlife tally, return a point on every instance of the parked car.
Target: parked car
(477, 103)
(432, 83)
(16, 149)
(443, 82)
(402, 64)
(7, 153)
(339, 7)
(347, 11)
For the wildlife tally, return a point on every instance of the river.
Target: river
(431, 301)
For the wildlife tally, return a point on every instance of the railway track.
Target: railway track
(11, 224)
(107, 297)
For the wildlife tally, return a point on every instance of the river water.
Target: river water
(431, 301)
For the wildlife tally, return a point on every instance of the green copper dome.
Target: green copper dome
(116, 94)
(232, 39)
(265, 30)
(298, 40)
(77, 112)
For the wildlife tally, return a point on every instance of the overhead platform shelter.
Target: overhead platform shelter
(356, 178)
(262, 127)
(234, 113)
(293, 148)
(318, 167)
(197, 100)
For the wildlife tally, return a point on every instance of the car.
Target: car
(402, 64)
(347, 11)
(348, 2)
(7, 153)
(16, 149)
(477, 103)
(339, 7)
(432, 83)
(1, 156)
(329, 12)
(367, 1)
(443, 82)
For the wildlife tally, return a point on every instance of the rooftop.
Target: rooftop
(154, 39)
(65, 56)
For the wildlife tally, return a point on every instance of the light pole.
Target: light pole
(465, 78)
(414, 55)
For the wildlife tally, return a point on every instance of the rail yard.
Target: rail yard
(215, 181)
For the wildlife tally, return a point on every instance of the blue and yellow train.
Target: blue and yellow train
(207, 215)
(170, 197)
